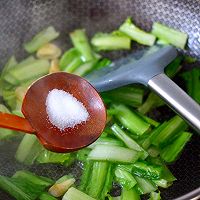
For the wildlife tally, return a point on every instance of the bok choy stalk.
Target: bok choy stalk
(81, 43)
(125, 178)
(106, 41)
(191, 79)
(131, 120)
(170, 35)
(147, 170)
(70, 60)
(24, 185)
(114, 154)
(136, 33)
(128, 95)
(75, 194)
(130, 194)
(97, 179)
(171, 129)
(173, 150)
(128, 141)
(40, 39)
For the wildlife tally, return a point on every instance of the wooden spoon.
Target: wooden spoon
(36, 118)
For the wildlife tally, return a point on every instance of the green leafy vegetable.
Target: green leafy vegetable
(136, 33)
(170, 35)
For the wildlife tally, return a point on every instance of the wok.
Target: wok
(21, 19)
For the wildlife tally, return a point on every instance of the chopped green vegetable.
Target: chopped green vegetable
(24, 185)
(108, 183)
(107, 141)
(40, 39)
(189, 59)
(114, 154)
(128, 141)
(125, 178)
(170, 35)
(128, 95)
(172, 128)
(97, 179)
(145, 186)
(46, 156)
(46, 196)
(37, 68)
(106, 41)
(136, 33)
(155, 196)
(85, 68)
(85, 178)
(28, 149)
(147, 170)
(192, 83)
(81, 43)
(173, 150)
(70, 60)
(74, 194)
(131, 194)
(131, 120)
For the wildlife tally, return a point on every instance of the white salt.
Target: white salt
(64, 110)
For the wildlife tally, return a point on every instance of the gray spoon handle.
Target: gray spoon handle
(177, 99)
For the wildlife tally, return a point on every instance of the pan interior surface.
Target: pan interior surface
(21, 19)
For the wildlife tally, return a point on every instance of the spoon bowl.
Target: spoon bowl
(69, 139)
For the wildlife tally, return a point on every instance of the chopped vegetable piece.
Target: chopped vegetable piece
(11, 188)
(43, 37)
(189, 59)
(54, 66)
(166, 135)
(97, 179)
(85, 178)
(28, 149)
(128, 95)
(136, 33)
(70, 60)
(144, 185)
(102, 62)
(74, 194)
(173, 150)
(10, 63)
(114, 154)
(81, 43)
(108, 183)
(106, 41)
(59, 189)
(46, 196)
(192, 83)
(24, 185)
(48, 51)
(25, 176)
(125, 178)
(128, 141)
(106, 141)
(155, 196)
(162, 183)
(37, 68)
(147, 170)
(85, 68)
(169, 35)
(131, 194)
(131, 120)
(46, 156)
